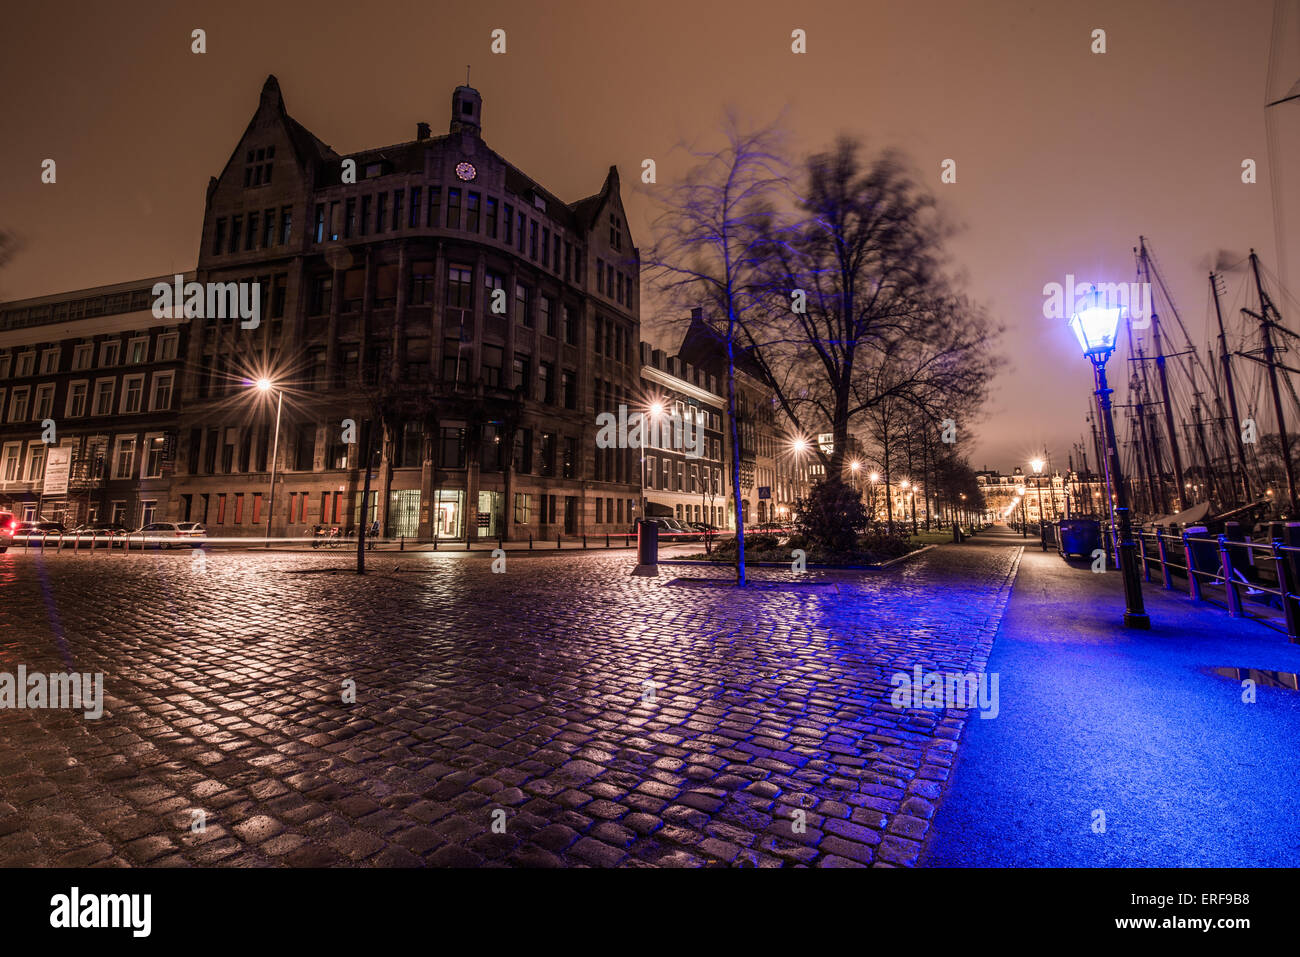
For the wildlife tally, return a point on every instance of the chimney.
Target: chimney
(697, 313)
(421, 131)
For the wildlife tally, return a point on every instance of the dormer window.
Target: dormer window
(615, 232)
(373, 170)
(257, 166)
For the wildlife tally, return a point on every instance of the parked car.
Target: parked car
(96, 535)
(674, 531)
(37, 533)
(167, 535)
(7, 523)
(196, 532)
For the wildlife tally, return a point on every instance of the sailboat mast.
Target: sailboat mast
(1164, 384)
(1272, 380)
(1226, 358)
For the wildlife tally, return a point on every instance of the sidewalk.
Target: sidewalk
(1094, 717)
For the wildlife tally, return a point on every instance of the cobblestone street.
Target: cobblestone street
(525, 692)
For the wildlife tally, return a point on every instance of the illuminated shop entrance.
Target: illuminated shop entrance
(489, 514)
(404, 513)
(448, 513)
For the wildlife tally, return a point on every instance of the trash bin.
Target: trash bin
(1080, 536)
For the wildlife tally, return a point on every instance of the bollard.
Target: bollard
(530, 541)
(1193, 583)
(607, 539)
(647, 548)
(584, 540)
(401, 543)
(557, 541)
(1229, 583)
(1286, 585)
(1164, 559)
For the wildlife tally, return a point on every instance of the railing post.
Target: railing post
(1286, 585)
(1193, 583)
(1164, 559)
(1142, 556)
(1229, 583)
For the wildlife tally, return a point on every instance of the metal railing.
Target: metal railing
(1215, 562)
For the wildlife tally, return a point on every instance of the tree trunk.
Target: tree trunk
(735, 446)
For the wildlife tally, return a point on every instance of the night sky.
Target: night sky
(1063, 156)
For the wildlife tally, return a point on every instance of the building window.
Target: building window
(570, 322)
(381, 212)
(124, 457)
(532, 240)
(219, 237)
(491, 218)
(236, 233)
(137, 351)
(523, 312)
(398, 195)
(44, 403)
(421, 283)
(492, 282)
(49, 361)
(268, 229)
(460, 294)
(451, 447)
(162, 391)
(286, 224)
(35, 461)
(82, 356)
(570, 460)
(155, 445)
(250, 235)
(546, 381)
(416, 196)
(600, 275)
(522, 373)
(77, 394)
(509, 213)
(523, 451)
(434, 218)
(548, 453)
(569, 388)
(18, 404)
(472, 202)
(493, 359)
(107, 355)
(453, 209)
(546, 306)
(13, 454)
(103, 397)
(521, 508)
(615, 232)
(167, 347)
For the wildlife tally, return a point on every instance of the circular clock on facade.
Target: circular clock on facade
(466, 171)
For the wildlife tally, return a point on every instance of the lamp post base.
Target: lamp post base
(1134, 619)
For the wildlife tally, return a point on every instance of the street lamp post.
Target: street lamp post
(1037, 466)
(1095, 328)
(265, 385)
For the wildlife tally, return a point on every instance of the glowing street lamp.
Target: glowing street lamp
(264, 386)
(1095, 327)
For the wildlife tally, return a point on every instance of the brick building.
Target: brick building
(94, 372)
(461, 319)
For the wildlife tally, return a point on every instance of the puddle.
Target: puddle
(1262, 679)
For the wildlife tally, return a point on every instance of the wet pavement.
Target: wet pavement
(561, 713)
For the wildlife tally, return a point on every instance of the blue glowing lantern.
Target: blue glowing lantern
(1096, 327)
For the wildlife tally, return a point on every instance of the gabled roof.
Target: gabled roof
(586, 210)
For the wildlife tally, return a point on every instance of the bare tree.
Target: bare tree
(859, 310)
(709, 248)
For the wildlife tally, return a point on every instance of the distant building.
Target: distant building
(96, 373)
(676, 481)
